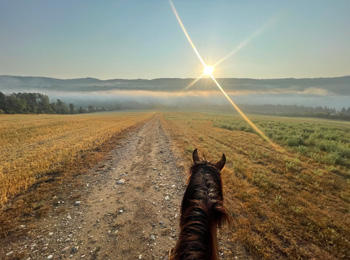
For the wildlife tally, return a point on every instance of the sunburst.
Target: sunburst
(208, 71)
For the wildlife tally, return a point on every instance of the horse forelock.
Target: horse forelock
(211, 189)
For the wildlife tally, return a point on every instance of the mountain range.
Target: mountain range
(338, 86)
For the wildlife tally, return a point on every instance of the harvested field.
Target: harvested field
(289, 204)
(34, 146)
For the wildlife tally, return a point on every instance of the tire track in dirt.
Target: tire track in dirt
(128, 206)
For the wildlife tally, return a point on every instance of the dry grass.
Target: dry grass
(33, 146)
(283, 205)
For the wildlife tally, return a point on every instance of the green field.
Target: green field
(323, 140)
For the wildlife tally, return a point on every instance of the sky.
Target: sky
(142, 39)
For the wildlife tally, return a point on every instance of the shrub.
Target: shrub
(295, 141)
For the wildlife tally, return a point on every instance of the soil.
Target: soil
(127, 207)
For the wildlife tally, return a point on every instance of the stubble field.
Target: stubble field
(35, 146)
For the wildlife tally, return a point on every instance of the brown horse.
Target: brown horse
(202, 211)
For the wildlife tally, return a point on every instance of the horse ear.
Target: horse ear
(220, 164)
(195, 156)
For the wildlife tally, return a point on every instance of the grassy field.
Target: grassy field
(35, 146)
(293, 204)
(322, 140)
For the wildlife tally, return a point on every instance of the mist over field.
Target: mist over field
(141, 93)
(145, 99)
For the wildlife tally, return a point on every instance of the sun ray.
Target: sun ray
(246, 41)
(245, 117)
(185, 32)
(240, 46)
(193, 82)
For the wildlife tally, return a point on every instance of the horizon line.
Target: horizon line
(320, 77)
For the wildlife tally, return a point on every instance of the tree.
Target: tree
(2, 102)
(53, 106)
(44, 104)
(32, 104)
(61, 107)
(91, 109)
(71, 108)
(15, 105)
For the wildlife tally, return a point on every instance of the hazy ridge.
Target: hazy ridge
(311, 86)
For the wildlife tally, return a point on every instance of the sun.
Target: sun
(208, 70)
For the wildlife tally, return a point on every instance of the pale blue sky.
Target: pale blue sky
(142, 39)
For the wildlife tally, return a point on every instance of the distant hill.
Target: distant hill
(312, 86)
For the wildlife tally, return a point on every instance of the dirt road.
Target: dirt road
(127, 206)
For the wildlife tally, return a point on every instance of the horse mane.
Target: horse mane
(202, 210)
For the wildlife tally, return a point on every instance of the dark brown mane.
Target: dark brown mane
(202, 211)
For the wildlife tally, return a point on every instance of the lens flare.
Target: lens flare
(208, 70)
(186, 34)
(193, 82)
(245, 117)
(246, 41)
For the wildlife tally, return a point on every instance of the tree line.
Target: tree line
(36, 103)
(299, 111)
(294, 109)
